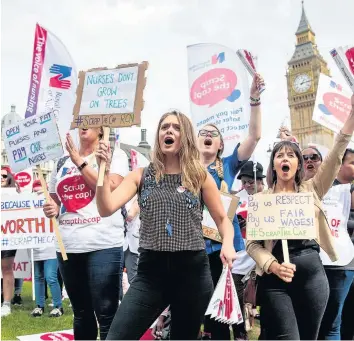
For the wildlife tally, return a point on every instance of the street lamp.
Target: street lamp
(269, 151)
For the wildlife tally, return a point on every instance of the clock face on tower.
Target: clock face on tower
(302, 83)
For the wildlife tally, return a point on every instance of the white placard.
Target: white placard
(344, 58)
(109, 91)
(63, 335)
(32, 141)
(23, 223)
(22, 264)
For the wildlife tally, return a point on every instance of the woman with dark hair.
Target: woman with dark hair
(224, 170)
(173, 266)
(93, 272)
(295, 295)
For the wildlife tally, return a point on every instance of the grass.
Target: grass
(20, 322)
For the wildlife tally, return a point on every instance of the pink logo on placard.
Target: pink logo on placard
(74, 193)
(23, 179)
(337, 105)
(57, 337)
(214, 86)
(350, 56)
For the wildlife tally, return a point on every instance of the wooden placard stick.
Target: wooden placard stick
(284, 244)
(103, 163)
(54, 221)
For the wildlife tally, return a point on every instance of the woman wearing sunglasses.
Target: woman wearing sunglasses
(224, 171)
(294, 296)
(340, 277)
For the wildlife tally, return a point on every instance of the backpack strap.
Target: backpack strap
(142, 180)
(61, 162)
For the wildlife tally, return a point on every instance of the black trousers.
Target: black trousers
(179, 279)
(218, 330)
(347, 327)
(293, 311)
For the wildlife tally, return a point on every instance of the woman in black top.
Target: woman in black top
(173, 266)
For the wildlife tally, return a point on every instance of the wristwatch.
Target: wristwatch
(82, 166)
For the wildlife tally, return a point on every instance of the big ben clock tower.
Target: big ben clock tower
(303, 72)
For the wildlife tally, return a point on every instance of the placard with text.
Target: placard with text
(110, 97)
(281, 216)
(32, 141)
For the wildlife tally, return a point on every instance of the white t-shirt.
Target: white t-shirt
(81, 227)
(44, 253)
(132, 235)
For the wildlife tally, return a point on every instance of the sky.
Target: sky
(112, 32)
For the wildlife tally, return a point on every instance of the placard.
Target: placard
(63, 335)
(344, 58)
(32, 141)
(23, 223)
(210, 229)
(22, 264)
(110, 97)
(281, 216)
(333, 104)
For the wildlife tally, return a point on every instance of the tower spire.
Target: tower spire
(304, 24)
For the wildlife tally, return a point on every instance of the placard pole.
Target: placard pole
(53, 220)
(32, 270)
(284, 244)
(103, 163)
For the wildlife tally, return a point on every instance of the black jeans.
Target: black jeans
(180, 279)
(92, 281)
(293, 311)
(218, 330)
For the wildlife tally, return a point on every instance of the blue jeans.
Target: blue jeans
(18, 286)
(92, 281)
(339, 284)
(47, 269)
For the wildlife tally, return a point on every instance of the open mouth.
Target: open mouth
(310, 167)
(208, 142)
(285, 168)
(84, 129)
(169, 141)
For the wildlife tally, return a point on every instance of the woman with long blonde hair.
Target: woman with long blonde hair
(173, 266)
(224, 170)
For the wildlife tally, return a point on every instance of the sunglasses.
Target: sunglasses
(4, 176)
(204, 132)
(312, 157)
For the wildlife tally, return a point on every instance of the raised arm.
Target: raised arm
(248, 146)
(329, 168)
(109, 202)
(212, 200)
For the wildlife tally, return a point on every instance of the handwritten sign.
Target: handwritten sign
(281, 216)
(110, 97)
(23, 224)
(210, 229)
(32, 141)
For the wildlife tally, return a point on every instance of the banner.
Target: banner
(281, 216)
(336, 204)
(332, 106)
(53, 80)
(138, 160)
(22, 264)
(23, 224)
(32, 141)
(344, 58)
(25, 180)
(219, 92)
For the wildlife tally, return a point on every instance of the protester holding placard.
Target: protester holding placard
(171, 191)
(93, 271)
(294, 296)
(224, 171)
(7, 256)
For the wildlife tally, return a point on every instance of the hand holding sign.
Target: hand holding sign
(284, 271)
(257, 84)
(227, 254)
(50, 208)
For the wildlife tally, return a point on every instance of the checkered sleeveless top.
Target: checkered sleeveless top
(171, 216)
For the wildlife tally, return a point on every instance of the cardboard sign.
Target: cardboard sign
(110, 97)
(22, 264)
(32, 141)
(63, 335)
(344, 58)
(23, 223)
(333, 104)
(281, 216)
(210, 229)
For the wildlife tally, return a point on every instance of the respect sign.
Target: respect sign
(23, 223)
(32, 141)
(281, 216)
(110, 97)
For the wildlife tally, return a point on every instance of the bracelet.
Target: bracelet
(82, 166)
(255, 99)
(255, 104)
